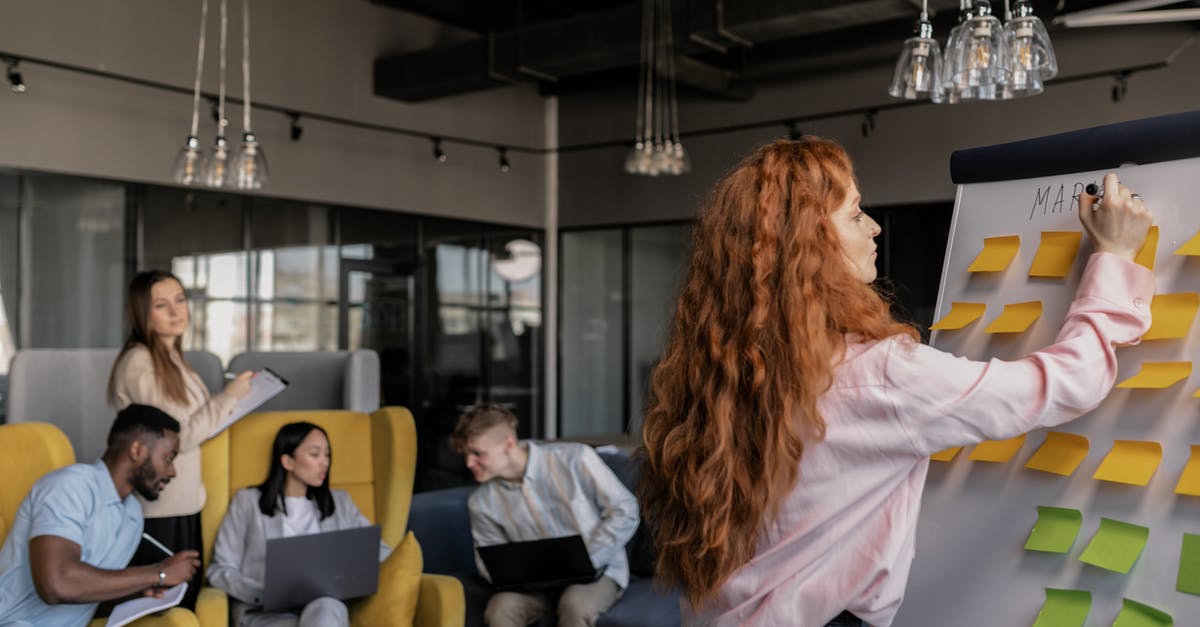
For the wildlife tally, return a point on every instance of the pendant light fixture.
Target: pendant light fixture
(250, 165)
(918, 72)
(216, 164)
(187, 164)
(657, 148)
(983, 58)
(1032, 55)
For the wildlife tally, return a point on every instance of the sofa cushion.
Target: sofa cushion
(400, 577)
(642, 604)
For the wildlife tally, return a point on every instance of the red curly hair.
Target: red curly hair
(762, 320)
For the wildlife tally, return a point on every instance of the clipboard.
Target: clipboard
(264, 386)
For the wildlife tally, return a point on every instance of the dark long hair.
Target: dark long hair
(271, 491)
(760, 323)
(139, 332)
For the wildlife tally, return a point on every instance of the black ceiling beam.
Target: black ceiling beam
(580, 45)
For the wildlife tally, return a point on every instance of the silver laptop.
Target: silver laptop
(339, 564)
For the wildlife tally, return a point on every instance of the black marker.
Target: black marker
(1094, 190)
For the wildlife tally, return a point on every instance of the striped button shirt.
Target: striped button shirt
(567, 490)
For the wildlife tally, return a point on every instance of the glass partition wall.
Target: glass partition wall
(617, 294)
(437, 299)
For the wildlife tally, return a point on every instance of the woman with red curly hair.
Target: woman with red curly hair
(791, 418)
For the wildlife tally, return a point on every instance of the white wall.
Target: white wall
(906, 159)
(306, 54)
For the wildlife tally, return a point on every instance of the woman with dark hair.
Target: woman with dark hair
(150, 370)
(294, 500)
(791, 418)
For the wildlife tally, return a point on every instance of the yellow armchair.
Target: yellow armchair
(374, 459)
(29, 450)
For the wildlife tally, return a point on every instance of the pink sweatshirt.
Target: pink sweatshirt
(843, 539)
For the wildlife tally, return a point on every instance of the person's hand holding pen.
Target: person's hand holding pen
(176, 569)
(239, 384)
(1115, 218)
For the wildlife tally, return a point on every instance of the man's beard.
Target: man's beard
(144, 480)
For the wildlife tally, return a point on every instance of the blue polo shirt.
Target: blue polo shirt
(79, 503)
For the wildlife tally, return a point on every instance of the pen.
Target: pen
(149, 538)
(1097, 191)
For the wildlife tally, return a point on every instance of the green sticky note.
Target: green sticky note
(1134, 614)
(1189, 565)
(1116, 545)
(1064, 608)
(1055, 530)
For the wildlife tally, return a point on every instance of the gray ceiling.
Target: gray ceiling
(724, 47)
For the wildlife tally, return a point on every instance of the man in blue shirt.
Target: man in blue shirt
(77, 528)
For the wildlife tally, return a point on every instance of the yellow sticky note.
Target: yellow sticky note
(1056, 254)
(1130, 461)
(946, 455)
(998, 450)
(997, 253)
(1016, 317)
(1189, 481)
(1145, 256)
(1158, 375)
(1190, 247)
(1060, 454)
(1172, 315)
(961, 314)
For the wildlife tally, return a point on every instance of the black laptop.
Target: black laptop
(539, 564)
(339, 564)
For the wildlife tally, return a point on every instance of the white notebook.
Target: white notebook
(129, 611)
(266, 385)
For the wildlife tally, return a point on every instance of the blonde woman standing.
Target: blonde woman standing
(150, 370)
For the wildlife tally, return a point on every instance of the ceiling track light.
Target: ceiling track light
(1120, 86)
(794, 132)
(295, 129)
(438, 153)
(505, 166)
(15, 83)
(868, 123)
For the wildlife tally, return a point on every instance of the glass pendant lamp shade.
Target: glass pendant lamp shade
(250, 165)
(216, 172)
(187, 164)
(952, 91)
(919, 68)
(1029, 45)
(681, 162)
(981, 66)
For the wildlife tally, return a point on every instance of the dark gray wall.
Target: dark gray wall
(308, 54)
(906, 159)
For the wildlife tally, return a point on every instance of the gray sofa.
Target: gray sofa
(439, 520)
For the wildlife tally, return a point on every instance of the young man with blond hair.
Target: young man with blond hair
(535, 490)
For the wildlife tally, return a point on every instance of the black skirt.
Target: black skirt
(845, 619)
(178, 533)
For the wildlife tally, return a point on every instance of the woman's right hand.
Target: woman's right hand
(240, 385)
(1119, 222)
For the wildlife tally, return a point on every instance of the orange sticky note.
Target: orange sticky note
(1016, 317)
(1060, 454)
(1158, 375)
(1056, 254)
(997, 253)
(998, 450)
(1145, 256)
(1171, 315)
(1130, 461)
(1189, 481)
(946, 455)
(961, 314)
(1190, 247)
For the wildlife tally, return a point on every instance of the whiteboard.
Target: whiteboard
(971, 568)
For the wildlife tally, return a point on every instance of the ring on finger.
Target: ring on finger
(1135, 196)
